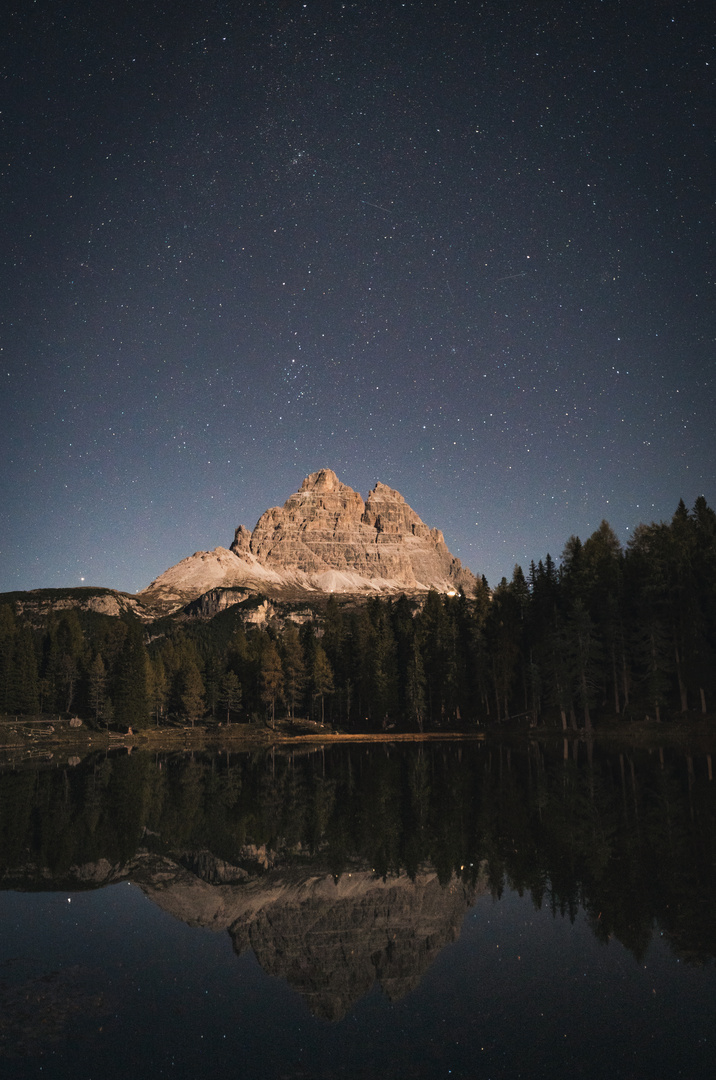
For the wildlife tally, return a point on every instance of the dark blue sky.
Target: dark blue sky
(462, 248)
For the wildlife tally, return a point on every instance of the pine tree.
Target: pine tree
(230, 693)
(212, 682)
(237, 657)
(97, 684)
(433, 631)
(652, 654)
(293, 667)
(583, 657)
(69, 674)
(704, 571)
(383, 672)
(157, 688)
(415, 686)
(603, 594)
(505, 635)
(478, 651)
(322, 677)
(25, 677)
(131, 706)
(359, 646)
(650, 633)
(557, 671)
(191, 699)
(271, 678)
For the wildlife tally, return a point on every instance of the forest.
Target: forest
(607, 635)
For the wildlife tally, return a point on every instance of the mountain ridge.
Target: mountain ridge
(324, 539)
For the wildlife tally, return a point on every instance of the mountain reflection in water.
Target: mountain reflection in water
(344, 868)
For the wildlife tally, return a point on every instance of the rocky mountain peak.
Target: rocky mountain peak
(324, 539)
(387, 511)
(323, 480)
(242, 541)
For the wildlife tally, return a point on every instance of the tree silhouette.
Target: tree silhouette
(322, 677)
(230, 693)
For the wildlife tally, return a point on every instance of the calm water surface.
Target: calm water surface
(435, 911)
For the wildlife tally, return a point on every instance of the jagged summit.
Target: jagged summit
(323, 539)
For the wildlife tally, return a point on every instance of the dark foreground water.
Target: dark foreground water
(435, 911)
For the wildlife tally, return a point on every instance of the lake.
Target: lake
(457, 909)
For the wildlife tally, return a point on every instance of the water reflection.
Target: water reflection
(347, 867)
(628, 836)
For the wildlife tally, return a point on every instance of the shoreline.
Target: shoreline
(61, 743)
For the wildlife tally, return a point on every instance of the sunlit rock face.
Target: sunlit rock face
(324, 539)
(317, 529)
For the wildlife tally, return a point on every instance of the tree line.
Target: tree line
(607, 632)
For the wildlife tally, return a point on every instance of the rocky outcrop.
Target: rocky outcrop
(215, 600)
(39, 603)
(203, 572)
(324, 539)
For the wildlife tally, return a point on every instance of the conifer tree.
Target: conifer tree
(583, 656)
(237, 656)
(360, 637)
(382, 661)
(25, 677)
(704, 572)
(69, 674)
(478, 651)
(191, 699)
(505, 632)
(271, 677)
(650, 630)
(415, 685)
(404, 633)
(293, 667)
(130, 683)
(97, 684)
(602, 593)
(212, 682)
(433, 642)
(230, 693)
(321, 677)
(157, 688)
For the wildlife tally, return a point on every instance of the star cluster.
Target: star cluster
(463, 248)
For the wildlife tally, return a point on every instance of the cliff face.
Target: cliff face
(39, 603)
(317, 529)
(324, 539)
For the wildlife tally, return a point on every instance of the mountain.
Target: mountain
(324, 539)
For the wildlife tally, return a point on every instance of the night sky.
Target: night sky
(461, 248)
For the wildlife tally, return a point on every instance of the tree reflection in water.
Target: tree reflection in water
(629, 836)
(348, 872)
